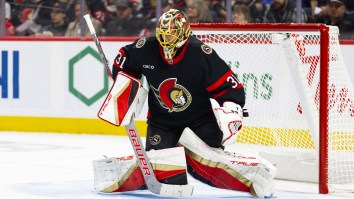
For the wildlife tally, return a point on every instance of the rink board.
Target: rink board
(58, 85)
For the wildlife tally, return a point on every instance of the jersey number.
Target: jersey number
(120, 59)
(234, 81)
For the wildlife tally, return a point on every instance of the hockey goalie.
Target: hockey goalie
(195, 107)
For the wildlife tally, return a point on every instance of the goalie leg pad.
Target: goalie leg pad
(224, 170)
(123, 173)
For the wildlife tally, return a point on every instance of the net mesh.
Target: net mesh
(281, 117)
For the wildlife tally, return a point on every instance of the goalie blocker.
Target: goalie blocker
(125, 98)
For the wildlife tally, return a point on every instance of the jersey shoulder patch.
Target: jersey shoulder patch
(140, 43)
(206, 49)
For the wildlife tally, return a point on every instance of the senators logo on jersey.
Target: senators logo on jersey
(207, 49)
(141, 42)
(172, 96)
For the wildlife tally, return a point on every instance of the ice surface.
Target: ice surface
(50, 165)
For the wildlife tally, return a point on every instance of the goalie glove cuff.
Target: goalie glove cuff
(229, 118)
(233, 107)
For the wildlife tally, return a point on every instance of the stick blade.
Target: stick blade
(89, 24)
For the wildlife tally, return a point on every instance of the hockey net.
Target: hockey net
(298, 95)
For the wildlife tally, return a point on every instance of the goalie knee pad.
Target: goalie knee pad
(123, 173)
(220, 169)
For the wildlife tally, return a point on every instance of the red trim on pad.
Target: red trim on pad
(217, 176)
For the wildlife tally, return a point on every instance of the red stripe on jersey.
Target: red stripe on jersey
(219, 177)
(148, 115)
(176, 59)
(219, 82)
(219, 94)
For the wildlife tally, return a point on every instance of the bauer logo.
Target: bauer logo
(139, 152)
(9, 74)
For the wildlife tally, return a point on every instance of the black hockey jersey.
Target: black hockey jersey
(180, 88)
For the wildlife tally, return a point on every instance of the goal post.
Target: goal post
(298, 94)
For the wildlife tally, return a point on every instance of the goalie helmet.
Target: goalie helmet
(172, 32)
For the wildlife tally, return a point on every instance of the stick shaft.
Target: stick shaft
(145, 166)
(98, 45)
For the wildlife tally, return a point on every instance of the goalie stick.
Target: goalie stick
(145, 166)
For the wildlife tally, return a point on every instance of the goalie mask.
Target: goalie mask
(172, 32)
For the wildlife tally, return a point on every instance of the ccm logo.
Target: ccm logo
(138, 150)
(148, 66)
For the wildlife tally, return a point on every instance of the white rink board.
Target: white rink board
(44, 77)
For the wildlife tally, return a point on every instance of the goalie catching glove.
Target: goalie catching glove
(229, 118)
